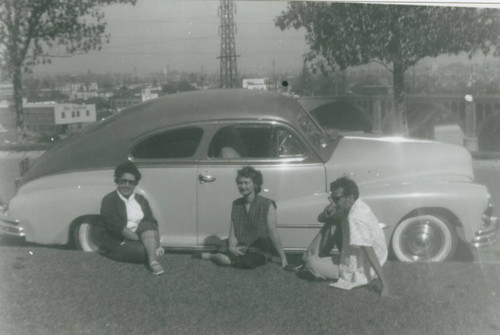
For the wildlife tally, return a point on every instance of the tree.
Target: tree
(397, 36)
(29, 29)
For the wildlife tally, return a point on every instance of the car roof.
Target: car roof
(106, 143)
(208, 105)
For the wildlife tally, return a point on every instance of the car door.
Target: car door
(293, 176)
(168, 162)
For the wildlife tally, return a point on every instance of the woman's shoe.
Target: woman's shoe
(156, 268)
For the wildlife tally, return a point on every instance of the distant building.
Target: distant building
(148, 94)
(256, 84)
(39, 118)
(7, 115)
(81, 91)
(50, 118)
(124, 102)
(6, 91)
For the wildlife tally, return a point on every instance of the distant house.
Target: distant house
(148, 93)
(51, 118)
(256, 84)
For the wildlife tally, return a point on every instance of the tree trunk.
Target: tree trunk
(396, 122)
(17, 82)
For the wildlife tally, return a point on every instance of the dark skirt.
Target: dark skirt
(121, 249)
(257, 254)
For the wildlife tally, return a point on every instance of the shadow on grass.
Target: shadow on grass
(7, 241)
(464, 253)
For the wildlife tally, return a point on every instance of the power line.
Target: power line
(187, 20)
(168, 41)
(159, 41)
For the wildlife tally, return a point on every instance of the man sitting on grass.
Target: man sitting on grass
(363, 250)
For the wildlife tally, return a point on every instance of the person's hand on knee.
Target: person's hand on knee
(159, 251)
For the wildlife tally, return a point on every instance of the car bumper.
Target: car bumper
(487, 235)
(11, 227)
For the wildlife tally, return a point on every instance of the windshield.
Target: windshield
(314, 133)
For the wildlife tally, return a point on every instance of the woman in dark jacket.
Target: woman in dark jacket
(130, 231)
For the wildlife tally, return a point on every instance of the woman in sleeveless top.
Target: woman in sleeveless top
(253, 238)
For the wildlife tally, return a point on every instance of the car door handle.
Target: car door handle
(206, 178)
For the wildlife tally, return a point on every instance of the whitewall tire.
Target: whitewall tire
(83, 237)
(424, 238)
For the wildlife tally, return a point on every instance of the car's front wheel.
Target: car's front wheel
(424, 238)
(84, 236)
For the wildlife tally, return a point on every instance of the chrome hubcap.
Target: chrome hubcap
(422, 240)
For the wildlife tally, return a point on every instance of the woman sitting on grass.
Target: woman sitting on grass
(253, 238)
(129, 231)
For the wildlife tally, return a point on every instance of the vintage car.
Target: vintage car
(189, 146)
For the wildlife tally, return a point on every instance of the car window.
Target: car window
(255, 141)
(288, 145)
(179, 143)
(312, 131)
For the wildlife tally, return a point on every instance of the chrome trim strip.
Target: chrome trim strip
(382, 225)
(11, 227)
(487, 235)
(483, 243)
(295, 250)
(247, 160)
(299, 226)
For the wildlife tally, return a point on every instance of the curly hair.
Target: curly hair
(255, 175)
(348, 185)
(127, 167)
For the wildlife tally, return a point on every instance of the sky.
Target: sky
(184, 35)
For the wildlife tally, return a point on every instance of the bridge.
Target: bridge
(471, 116)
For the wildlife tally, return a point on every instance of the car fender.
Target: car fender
(46, 207)
(392, 203)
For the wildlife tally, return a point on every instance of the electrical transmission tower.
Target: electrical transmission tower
(227, 29)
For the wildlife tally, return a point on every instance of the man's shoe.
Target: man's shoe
(294, 268)
(307, 275)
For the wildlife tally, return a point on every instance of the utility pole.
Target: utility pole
(275, 81)
(470, 122)
(227, 30)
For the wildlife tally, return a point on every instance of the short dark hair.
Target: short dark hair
(255, 175)
(127, 167)
(348, 185)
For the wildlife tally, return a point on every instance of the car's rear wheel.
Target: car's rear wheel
(424, 238)
(83, 236)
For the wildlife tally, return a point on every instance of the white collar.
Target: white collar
(355, 204)
(132, 196)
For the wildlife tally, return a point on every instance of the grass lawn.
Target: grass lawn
(58, 291)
